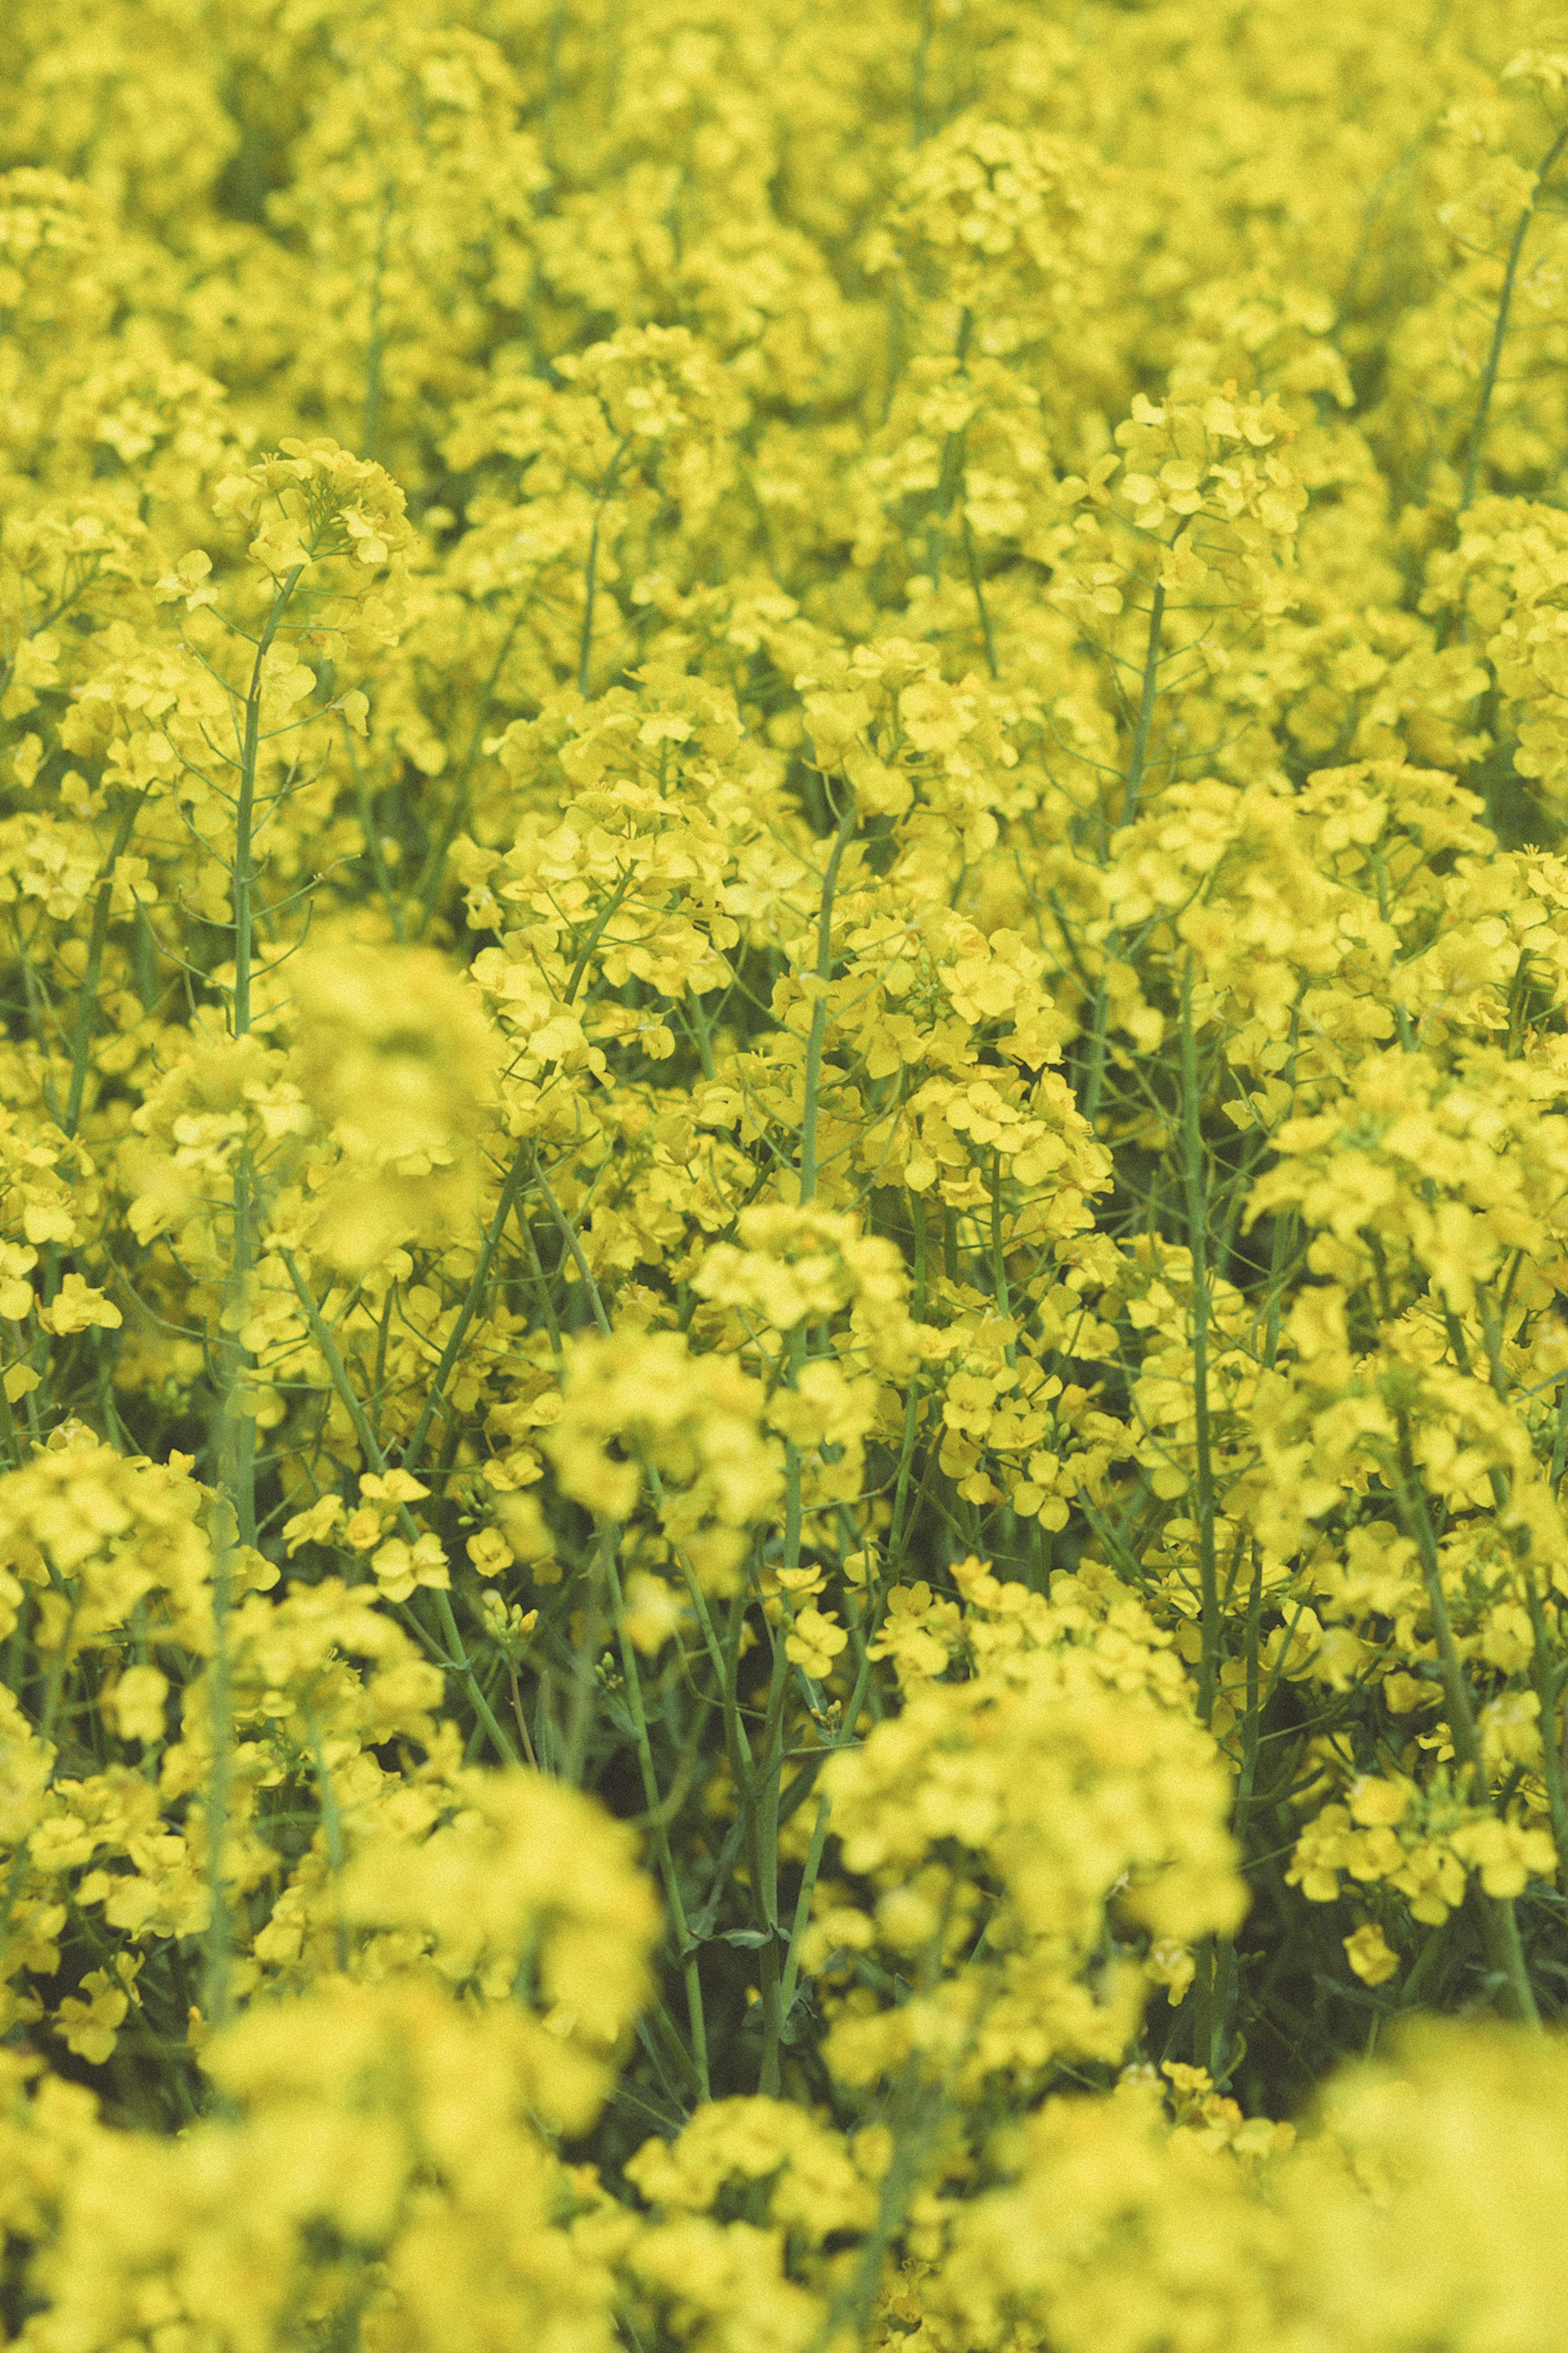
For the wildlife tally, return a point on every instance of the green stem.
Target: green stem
(918, 125)
(591, 577)
(569, 1234)
(576, 1748)
(753, 1783)
(1195, 1190)
(1139, 760)
(1499, 1920)
(819, 1032)
(217, 1975)
(373, 849)
(1545, 1676)
(374, 355)
(734, 1738)
(998, 1260)
(457, 1663)
(906, 1464)
(1551, 1754)
(236, 1446)
(918, 2111)
(1412, 1501)
(768, 1770)
(655, 1804)
(234, 1435)
(802, 1903)
(977, 590)
(333, 1823)
(243, 873)
(1094, 1079)
(601, 925)
(763, 1821)
(432, 868)
(470, 1307)
(81, 1045)
(1279, 1258)
(1500, 325)
(698, 1023)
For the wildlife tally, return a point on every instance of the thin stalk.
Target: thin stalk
(234, 1433)
(1246, 1779)
(467, 1312)
(552, 82)
(1219, 2059)
(54, 1691)
(542, 1284)
(217, 1970)
(667, 1870)
(427, 889)
(768, 1770)
(1558, 1444)
(698, 1025)
(757, 1785)
(1140, 756)
(818, 1031)
(591, 577)
(243, 873)
(737, 1747)
(81, 1045)
(1195, 1190)
(333, 1823)
(1499, 1919)
(576, 1747)
(762, 1822)
(601, 925)
(901, 1483)
(803, 1903)
(373, 849)
(1278, 1257)
(457, 1663)
(569, 1234)
(1094, 1083)
(918, 2112)
(1546, 1687)
(977, 589)
(998, 1260)
(1499, 324)
(1545, 1676)
(376, 348)
(919, 127)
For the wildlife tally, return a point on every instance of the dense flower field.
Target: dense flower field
(783, 1175)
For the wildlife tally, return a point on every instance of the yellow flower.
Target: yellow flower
(134, 1705)
(1370, 1956)
(814, 1640)
(399, 1567)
